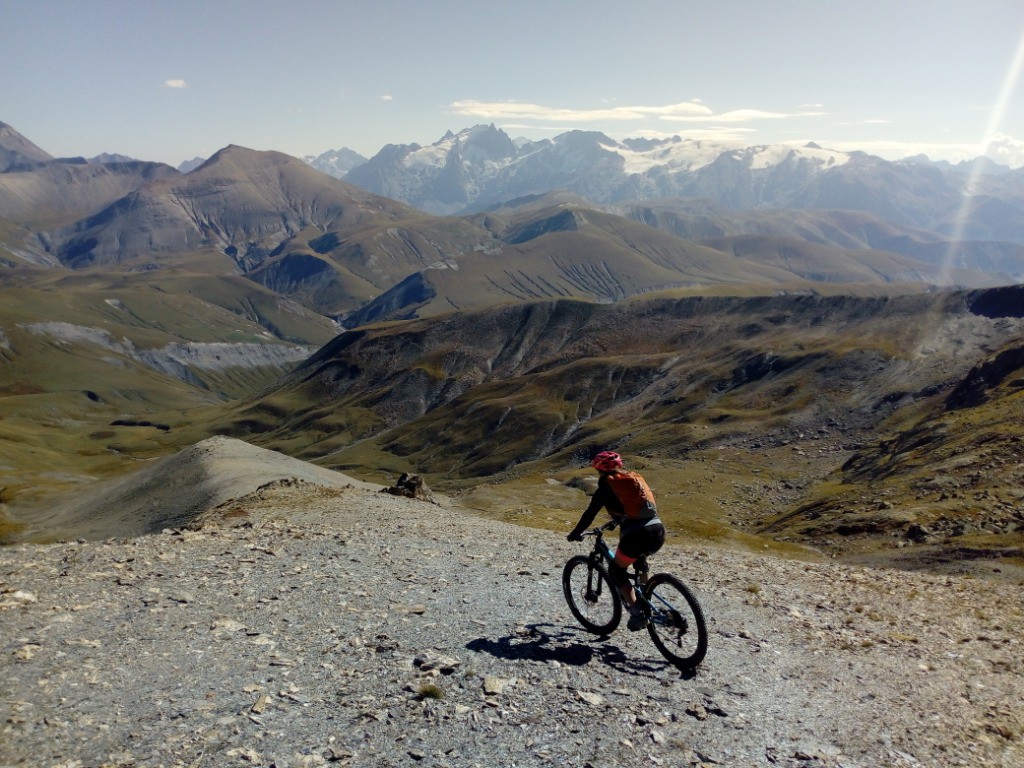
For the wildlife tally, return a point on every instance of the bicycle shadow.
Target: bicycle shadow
(535, 643)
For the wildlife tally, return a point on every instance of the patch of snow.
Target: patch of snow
(691, 155)
(772, 155)
(685, 155)
(433, 156)
(768, 156)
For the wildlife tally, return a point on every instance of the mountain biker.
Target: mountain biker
(630, 502)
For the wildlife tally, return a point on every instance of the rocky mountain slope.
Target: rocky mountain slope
(53, 195)
(238, 201)
(17, 151)
(175, 491)
(711, 223)
(98, 366)
(564, 249)
(312, 238)
(281, 629)
(781, 389)
(798, 417)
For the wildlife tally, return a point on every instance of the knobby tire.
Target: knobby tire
(678, 629)
(592, 598)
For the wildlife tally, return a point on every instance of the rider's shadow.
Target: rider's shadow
(535, 642)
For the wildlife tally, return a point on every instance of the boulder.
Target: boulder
(411, 486)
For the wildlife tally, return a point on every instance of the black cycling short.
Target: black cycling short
(642, 540)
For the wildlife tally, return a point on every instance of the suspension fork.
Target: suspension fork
(594, 576)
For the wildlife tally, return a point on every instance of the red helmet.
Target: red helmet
(606, 461)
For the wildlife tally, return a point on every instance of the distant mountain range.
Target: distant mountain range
(335, 162)
(482, 166)
(577, 216)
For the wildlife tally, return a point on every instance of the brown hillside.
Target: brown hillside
(569, 251)
(58, 193)
(744, 410)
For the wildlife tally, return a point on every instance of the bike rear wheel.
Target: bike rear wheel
(676, 624)
(592, 598)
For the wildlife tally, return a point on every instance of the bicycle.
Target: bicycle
(675, 619)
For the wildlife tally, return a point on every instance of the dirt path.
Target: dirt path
(315, 626)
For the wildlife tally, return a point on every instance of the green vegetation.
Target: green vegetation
(78, 399)
(429, 691)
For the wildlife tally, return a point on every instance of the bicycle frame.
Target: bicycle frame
(601, 549)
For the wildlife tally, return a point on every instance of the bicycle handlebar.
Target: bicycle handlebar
(600, 529)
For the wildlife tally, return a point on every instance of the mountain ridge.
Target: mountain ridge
(606, 172)
(811, 389)
(352, 255)
(784, 366)
(16, 151)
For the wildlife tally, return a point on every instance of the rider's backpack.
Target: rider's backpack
(634, 493)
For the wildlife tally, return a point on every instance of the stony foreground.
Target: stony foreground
(309, 626)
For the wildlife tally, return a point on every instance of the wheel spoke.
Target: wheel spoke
(591, 598)
(677, 624)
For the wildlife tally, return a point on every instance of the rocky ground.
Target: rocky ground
(302, 625)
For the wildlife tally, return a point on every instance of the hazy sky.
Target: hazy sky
(171, 80)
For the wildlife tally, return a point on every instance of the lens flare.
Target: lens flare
(970, 188)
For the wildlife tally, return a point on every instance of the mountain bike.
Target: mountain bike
(675, 619)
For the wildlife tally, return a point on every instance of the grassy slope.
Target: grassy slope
(59, 392)
(569, 251)
(957, 472)
(741, 411)
(834, 442)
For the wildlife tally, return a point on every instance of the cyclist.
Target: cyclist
(629, 501)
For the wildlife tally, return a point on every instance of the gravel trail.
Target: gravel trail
(302, 625)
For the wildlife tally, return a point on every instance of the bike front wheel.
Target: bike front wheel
(676, 623)
(591, 597)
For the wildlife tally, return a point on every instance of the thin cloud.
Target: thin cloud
(895, 150)
(531, 127)
(177, 84)
(723, 133)
(739, 116)
(387, 97)
(1006, 150)
(512, 110)
(686, 111)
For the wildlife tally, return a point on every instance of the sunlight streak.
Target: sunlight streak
(991, 131)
